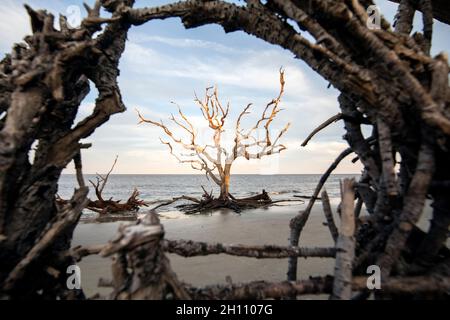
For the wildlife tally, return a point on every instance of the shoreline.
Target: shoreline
(253, 227)
(223, 227)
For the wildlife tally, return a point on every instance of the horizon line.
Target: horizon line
(197, 174)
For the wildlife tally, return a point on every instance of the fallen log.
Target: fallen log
(188, 248)
(307, 197)
(209, 203)
(104, 207)
(259, 290)
(329, 216)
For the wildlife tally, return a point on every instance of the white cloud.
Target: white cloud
(141, 38)
(251, 71)
(14, 24)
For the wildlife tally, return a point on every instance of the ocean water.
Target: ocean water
(163, 187)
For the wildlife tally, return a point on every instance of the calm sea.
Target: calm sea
(160, 187)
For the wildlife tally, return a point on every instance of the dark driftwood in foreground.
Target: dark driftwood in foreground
(259, 290)
(70, 214)
(209, 203)
(441, 10)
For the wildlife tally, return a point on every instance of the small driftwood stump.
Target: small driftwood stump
(141, 270)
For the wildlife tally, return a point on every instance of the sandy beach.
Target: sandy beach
(269, 226)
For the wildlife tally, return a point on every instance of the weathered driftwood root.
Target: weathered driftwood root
(260, 290)
(102, 206)
(209, 203)
(314, 285)
(298, 223)
(59, 228)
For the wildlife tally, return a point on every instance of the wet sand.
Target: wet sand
(258, 227)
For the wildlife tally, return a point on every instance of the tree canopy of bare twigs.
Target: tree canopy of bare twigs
(214, 159)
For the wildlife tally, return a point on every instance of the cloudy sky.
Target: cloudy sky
(164, 62)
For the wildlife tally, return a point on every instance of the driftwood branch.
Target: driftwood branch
(386, 153)
(260, 290)
(298, 223)
(329, 216)
(191, 249)
(414, 203)
(110, 206)
(332, 120)
(342, 289)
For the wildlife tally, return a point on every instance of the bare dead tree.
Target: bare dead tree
(214, 159)
(110, 206)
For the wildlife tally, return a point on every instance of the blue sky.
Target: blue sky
(164, 62)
